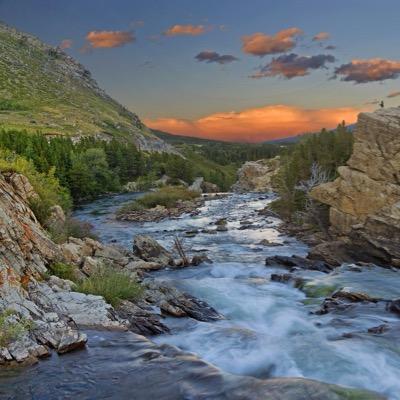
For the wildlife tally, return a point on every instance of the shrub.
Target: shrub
(166, 196)
(46, 185)
(63, 271)
(72, 227)
(113, 285)
(11, 328)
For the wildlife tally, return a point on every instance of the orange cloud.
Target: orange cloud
(188, 30)
(109, 39)
(65, 44)
(260, 44)
(393, 94)
(371, 70)
(257, 124)
(319, 37)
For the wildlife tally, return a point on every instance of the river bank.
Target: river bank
(269, 330)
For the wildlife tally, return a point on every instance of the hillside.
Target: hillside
(42, 88)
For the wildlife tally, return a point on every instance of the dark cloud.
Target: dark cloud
(214, 57)
(293, 65)
(393, 94)
(330, 47)
(260, 44)
(371, 70)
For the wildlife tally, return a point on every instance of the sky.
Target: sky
(237, 70)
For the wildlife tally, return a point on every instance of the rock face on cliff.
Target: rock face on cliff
(365, 199)
(256, 176)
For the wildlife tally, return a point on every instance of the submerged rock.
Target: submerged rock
(296, 262)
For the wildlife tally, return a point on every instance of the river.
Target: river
(269, 330)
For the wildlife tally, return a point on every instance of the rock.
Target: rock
(199, 259)
(378, 330)
(71, 253)
(208, 187)
(257, 176)
(176, 303)
(347, 294)
(142, 319)
(365, 199)
(149, 249)
(71, 341)
(222, 228)
(394, 306)
(296, 262)
(287, 278)
(209, 231)
(91, 265)
(196, 186)
(22, 187)
(266, 242)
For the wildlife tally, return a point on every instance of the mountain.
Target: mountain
(44, 89)
(178, 139)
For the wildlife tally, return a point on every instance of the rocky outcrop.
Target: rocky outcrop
(43, 312)
(201, 186)
(256, 176)
(365, 200)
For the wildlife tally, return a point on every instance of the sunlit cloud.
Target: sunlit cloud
(260, 44)
(393, 94)
(185, 30)
(292, 65)
(257, 124)
(214, 57)
(372, 70)
(321, 36)
(109, 39)
(65, 44)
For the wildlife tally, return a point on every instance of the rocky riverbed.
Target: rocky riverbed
(272, 324)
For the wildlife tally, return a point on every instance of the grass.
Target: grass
(12, 329)
(72, 227)
(113, 285)
(63, 271)
(42, 90)
(166, 196)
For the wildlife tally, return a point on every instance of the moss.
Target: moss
(355, 394)
(317, 291)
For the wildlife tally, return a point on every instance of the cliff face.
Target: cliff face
(256, 176)
(365, 200)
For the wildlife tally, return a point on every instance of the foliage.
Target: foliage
(167, 196)
(328, 150)
(113, 285)
(12, 328)
(45, 184)
(63, 271)
(223, 153)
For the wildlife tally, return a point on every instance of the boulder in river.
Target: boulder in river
(149, 249)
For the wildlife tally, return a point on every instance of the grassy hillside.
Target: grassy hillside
(42, 88)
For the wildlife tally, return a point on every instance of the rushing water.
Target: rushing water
(269, 330)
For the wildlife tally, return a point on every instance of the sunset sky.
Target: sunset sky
(229, 69)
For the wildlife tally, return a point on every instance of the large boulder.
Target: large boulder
(150, 250)
(365, 199)
(257, 176)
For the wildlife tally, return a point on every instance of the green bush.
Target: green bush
(167, 196)
(11, 329)
(113, 285)
(72, 227)
(46, 185)
(64, 271)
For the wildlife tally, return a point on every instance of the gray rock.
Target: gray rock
(149, 249)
